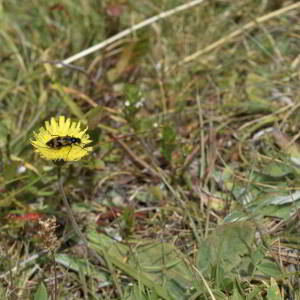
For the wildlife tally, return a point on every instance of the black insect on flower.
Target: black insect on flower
(62, 140)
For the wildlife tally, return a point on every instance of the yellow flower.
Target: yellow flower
(61, 140)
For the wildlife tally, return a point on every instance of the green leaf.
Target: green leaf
(158, 266)
(269, 268)
(277, 170)
(41, 292)
(236, 295)
(80, 265)
(284, 198)
(225, 247)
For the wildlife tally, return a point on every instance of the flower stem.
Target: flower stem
(73, 220)
(55, 275)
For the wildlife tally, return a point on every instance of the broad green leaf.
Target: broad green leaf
(159, 266)
(236, 295)
(277, 170)
(84, 266)
(269, 268)
(225, 247)
(41, 293)
(280, 198)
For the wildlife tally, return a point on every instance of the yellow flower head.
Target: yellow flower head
(61, 140)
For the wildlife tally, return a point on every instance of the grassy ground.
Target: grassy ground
(191, 191)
